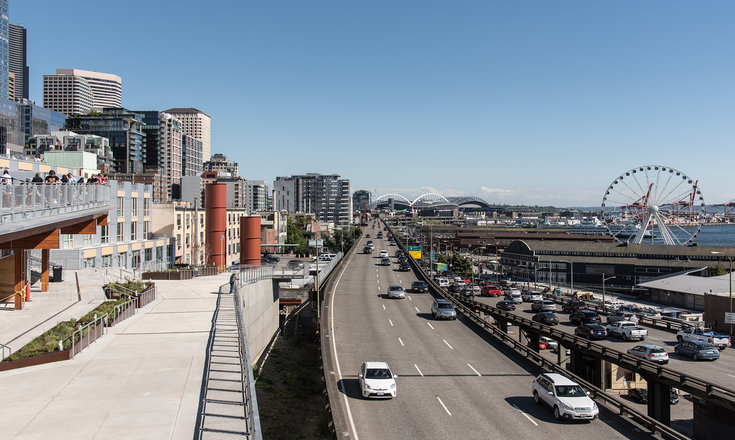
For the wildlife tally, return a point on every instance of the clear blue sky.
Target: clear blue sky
(540, 102)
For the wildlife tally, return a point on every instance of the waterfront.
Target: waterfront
(716, 235)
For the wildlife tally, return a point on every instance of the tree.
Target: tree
(294, 236)
(719, 269)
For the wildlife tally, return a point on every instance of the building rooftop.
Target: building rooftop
(182, 110)
(691, 284)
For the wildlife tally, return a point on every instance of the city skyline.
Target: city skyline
(530, 104)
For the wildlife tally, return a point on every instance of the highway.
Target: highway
(719, 372)
(453, 382)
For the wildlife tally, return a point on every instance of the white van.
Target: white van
(443, 282)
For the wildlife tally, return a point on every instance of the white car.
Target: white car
(532, 296)
(383, 253)
(376, 380)
(564, 396)
(550, 343)
(396, 291)
(443, 282)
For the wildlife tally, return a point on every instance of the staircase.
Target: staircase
(223, 399)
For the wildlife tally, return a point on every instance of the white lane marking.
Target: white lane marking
(334, 349)
(391, 323)
(417, 369)
(378, 287)
(655, 339)
(473, 369)
(730, 375)
(445, 341)
(401, 341)
(443, 405)
(431, 326)
(525, 415)
(417, 309)
(409, 298)
(383, 306)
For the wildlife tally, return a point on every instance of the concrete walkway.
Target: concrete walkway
(141, 380)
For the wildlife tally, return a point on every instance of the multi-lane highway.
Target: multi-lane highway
(453, 382)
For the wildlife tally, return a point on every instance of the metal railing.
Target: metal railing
(21, 201)
(87, 334)
(252, 417)
(253, 274)
(3, 348)
(146, 297)
(122, 312)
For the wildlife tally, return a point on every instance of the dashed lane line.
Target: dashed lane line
(417, 309)
(401, 341)
(391, 323)
(445, 341)
(430, 326)
(443, 405)
(473, 369)
(417, 369)
(383, 306)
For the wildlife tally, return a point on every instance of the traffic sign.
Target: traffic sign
(729, 318)
(415, 248)
(315, 243)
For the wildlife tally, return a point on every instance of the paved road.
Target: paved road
(453, 382)
(720, 372)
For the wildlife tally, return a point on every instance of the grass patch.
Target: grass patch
(48, 342)
(290, 384)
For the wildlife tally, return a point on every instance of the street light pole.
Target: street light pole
(603, 288)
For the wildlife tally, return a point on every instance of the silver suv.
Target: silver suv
(443, 309)
(566, 398)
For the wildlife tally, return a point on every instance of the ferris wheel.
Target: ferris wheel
(653, 204)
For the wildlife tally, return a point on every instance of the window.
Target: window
(146, 207)
(67, 241)
(148, 255)
(120, 206)
(107, 261)
(178, 241)
(105, 234)
(134, 207)
(133, 231)
(122, 259)
(87, 241)
(146, 230)
(88, 262)
(120, 232)
(178, 220)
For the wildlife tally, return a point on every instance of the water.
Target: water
(716, 235)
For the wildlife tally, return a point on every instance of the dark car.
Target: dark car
(398, 253)
(505, 305)
(584, 317)
(548, 318)
(591, 331)
(385, 261)
(571, 306)
(367, 235)
(403, 266)
(269, 259)
(419, 286)
(640, 395)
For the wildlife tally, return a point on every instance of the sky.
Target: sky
(520, 102)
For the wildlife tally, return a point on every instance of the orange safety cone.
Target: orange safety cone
(28, 291)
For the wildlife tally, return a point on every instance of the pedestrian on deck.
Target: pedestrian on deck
(6, 177)
(37, 178)
(233, 280)
(51, 177)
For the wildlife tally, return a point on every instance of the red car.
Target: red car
(491, 290)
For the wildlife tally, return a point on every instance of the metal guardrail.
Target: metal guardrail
(21, 201)
(694, 386)
(122, 312)
(87, 334)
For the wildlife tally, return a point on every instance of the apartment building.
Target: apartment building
(326, 196)
(197, 124)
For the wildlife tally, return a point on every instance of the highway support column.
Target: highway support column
(502, 325)
(659, 404)
(712, 421)
(587, 367)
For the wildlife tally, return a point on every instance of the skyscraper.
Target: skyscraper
(197, 124)
(18, 59)
(4, 43)
(76, 92)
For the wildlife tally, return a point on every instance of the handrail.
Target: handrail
(123, 311)
(252, 416)
(23, 200)
(97, 326)
(4, 347)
